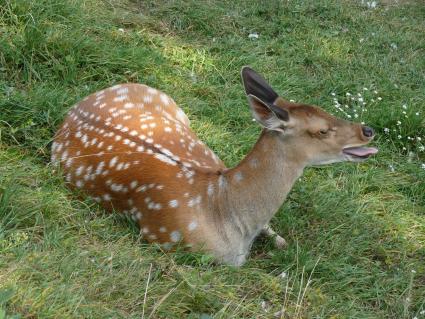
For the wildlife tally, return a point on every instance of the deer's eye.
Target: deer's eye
(323, 132)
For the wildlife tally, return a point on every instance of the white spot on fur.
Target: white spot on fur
(192, 226)
(238, 177)
(175, 236)
(113, 161)
(164, 159)
(173, 203)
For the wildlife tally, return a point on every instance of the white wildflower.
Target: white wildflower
(404, 106)
(386, 130)
(419, 138)
(398, 123)
(348, 94)
(417, 113)
(371, 4)
(421, 148)
(399, 137)
(253, 35)
(379, 98)
(423, 165)
(392, 169)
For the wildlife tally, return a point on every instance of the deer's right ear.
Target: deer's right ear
(257, 86)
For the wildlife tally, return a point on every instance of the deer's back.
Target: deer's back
(131, 149)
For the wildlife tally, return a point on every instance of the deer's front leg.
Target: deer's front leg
(279, 241)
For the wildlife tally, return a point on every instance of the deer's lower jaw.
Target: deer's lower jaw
(359, 153)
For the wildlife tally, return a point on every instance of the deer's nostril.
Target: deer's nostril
(368, 131)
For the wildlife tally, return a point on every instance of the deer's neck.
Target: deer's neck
(256, 188)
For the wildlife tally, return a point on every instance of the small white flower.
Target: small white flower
(292, 101)
(421, 148)
(417, 113)
(348, 94)
(359, 95)
(253, 35)
(361, 99)
(121, 30)
(399, 137)
(371, 4)
(413, 271)
(404, 112)
(365, 89)
(391, 168)
(398, 123)
(419, 138)
(408, 138)
(283, 275)
(423, 165)
(372, 100)
(356, 115)
(404, 149)
(404, 106)
(349, 116)
(422, 312)
(379, 98)
(386, 130)
(375, 91)
(393, 46)
(333, 94)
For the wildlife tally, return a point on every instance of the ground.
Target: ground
(356, 232)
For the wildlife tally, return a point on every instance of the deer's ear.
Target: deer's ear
(270, 116)
(257, 86)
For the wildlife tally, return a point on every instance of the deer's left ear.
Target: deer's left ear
(257, 86)
(261, 98)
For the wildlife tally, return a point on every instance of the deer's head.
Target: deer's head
(319, 136)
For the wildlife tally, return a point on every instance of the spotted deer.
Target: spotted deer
(130, 148)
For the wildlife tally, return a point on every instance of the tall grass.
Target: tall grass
(356, 232)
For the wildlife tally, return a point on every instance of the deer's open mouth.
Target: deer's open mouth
(360, 152)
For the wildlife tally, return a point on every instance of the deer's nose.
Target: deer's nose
(368, 131)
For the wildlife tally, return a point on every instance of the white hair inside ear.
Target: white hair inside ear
(265, 116)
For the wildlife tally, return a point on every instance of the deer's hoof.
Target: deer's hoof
(280, 242)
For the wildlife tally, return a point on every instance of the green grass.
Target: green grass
(356, 231)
